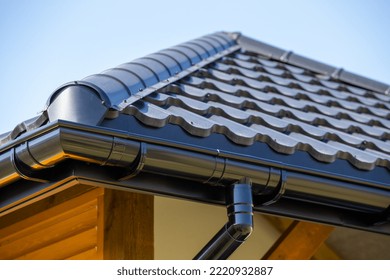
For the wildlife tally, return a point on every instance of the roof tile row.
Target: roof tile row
(284, 106)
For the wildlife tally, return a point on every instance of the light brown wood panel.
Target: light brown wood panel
(90, 254)
(80, 222)
(43, 201)
(73, 214)
(44, 220)
(44, 235)
(128, 225)
(50, 213)
(65, 248)
(299, 242)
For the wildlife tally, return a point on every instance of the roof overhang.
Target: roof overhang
(41, 162)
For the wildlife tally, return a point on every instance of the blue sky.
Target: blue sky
(44, 44)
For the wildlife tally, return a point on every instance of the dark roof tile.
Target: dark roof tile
(191, 122)
(182, 60)
(385, 98)
(172, 66)
(144, 73)
(363, 159)
(112, 81)
(384, 146)
(280, 142)
(28, 125)
(148, 113)
(321, 151)
(130, 81)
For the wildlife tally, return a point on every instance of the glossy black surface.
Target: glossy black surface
(239, 226)
(209, 112)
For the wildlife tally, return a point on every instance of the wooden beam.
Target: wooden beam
(128, 225)
(299, 242)
(324, 252)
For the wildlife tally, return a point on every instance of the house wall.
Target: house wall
(182, 228)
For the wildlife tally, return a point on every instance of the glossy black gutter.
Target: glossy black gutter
(98, 146)
(127, 163)
(36, 155)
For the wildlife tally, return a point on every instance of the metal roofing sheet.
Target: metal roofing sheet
(254, 92)
(286, 110)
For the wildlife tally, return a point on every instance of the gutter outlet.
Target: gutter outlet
(239, 226)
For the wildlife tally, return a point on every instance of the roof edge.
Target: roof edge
(290, 57)
(134, 157)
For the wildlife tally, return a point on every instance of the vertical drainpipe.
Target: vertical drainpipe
(239, 226)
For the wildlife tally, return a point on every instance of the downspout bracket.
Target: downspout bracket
(239, 226)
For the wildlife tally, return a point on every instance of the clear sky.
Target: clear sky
(46, 43)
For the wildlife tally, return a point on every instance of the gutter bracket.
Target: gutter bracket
(239, 226)
(137, 165)
(265, 200)
(384, 218)
(25, 171)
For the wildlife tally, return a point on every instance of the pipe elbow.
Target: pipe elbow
(240, 232)
(244, 229)
(240, 210)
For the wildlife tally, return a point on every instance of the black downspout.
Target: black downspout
(239, 226)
